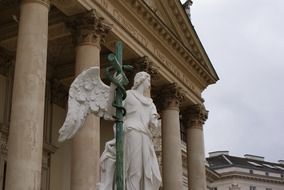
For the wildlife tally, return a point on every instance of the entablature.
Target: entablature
(140, 38)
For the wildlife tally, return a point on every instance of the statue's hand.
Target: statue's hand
(155, 120)
(119, 77)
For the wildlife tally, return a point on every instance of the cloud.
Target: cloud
(245, 43)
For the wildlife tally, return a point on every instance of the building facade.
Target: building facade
(244, 173)
(45, 44)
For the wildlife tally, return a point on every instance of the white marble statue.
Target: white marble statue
(89, 94)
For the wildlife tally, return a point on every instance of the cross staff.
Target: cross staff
(120, 95)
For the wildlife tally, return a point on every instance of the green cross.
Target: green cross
(116, 68)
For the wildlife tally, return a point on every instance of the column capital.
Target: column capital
(145, 64)
(88, 28)
(170, 96)
(195, 116)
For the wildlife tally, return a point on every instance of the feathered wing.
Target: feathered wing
(87, 94)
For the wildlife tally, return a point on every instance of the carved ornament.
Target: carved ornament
(195, 116)
(145, 64)
(88, 28)
(234, 187)
(163, 32)
(170, 96)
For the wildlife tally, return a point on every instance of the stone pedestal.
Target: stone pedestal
(86, 143)
(27, 115)
(195, 116)
(171, 140)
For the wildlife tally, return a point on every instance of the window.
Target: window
(268, 189)
(252, 188)
(266, 173)
(251, 171)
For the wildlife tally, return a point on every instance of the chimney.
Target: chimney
(281, 162)
(218, 153)
(254, 157)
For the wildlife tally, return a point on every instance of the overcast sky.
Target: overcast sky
(245, 42)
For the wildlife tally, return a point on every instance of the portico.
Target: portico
(48, 44)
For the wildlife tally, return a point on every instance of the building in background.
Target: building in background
(243, 173)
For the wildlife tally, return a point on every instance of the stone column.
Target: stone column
(171, 98)
(27, 114)
(90, 30)
(195, 117)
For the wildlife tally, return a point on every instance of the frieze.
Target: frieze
(167, 35)
(150, 46)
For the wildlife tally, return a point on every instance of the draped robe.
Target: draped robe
(141, 166)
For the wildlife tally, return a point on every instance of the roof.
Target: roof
(226, 161)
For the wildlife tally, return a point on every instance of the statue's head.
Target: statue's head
(140, 78)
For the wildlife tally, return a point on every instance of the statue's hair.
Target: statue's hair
(139, 79)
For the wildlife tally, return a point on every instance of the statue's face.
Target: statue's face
(147, 82)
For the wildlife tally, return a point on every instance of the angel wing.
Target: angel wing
(87, 94)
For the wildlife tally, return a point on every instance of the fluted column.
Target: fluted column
(27, 114)
(171, 98)
(195, 117)
(90, 30)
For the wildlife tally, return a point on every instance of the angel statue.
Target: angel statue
(88, 94)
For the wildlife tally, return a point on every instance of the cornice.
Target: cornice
(211, 175)
(169, 37)
(256, 177)
(192, 37)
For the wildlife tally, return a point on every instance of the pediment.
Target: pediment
(160, 9)
(173, 15)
